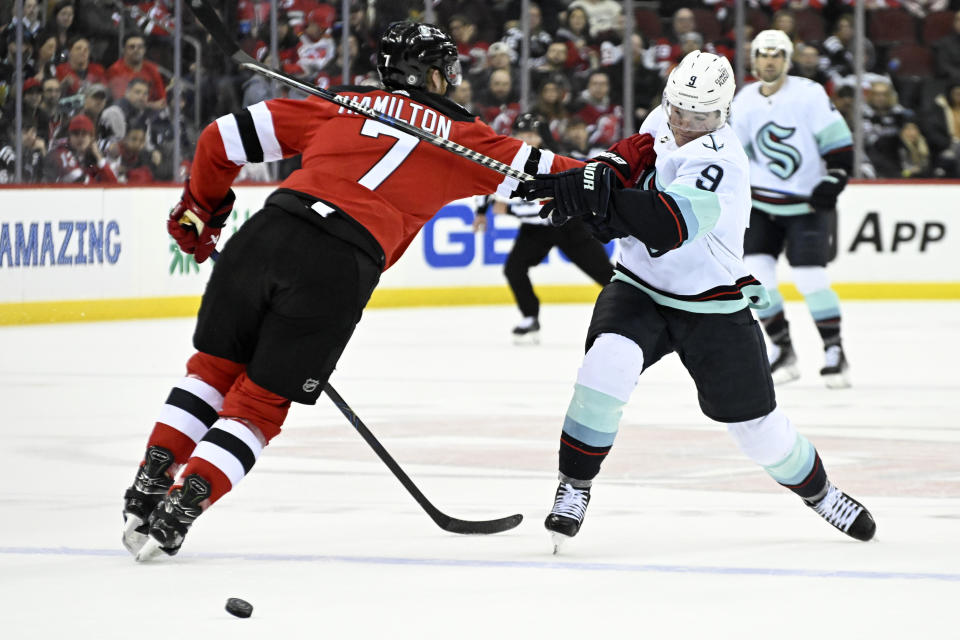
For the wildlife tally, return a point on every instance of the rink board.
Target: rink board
(71, 254)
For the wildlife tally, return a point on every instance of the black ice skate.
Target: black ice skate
(834, 371)
(569, 508)
(783, 363)
(845, 513)
(172, 518)
(527, 332)
(149, 487)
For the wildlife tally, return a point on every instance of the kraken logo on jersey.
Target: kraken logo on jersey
(784, 159)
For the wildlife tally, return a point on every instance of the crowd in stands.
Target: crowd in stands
(97, 81)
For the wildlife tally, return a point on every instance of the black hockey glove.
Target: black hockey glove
(582, 192)
(824, 196)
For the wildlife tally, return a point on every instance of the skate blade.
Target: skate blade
(150, 550)
(785, 374)
(836, 381)
(132, 539)
(527, 338)
(558, 540)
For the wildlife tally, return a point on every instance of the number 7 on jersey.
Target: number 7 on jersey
(394, 157)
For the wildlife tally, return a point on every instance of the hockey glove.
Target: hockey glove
(195, 228)
(825, 194)
(629, 158)
(581, 192)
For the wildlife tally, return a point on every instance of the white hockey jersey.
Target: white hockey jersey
(785, 135)
(708, 179)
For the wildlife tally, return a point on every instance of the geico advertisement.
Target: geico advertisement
(74, 244)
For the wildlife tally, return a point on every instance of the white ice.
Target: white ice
(684, 538)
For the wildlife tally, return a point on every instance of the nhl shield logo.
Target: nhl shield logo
(310, 385)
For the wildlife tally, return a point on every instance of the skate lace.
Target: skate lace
(571, 502)
(832, 356)
(837, 509)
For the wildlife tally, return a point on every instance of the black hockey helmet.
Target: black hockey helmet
(409, 49)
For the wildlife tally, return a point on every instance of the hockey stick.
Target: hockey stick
(445, 522)
(211, 22)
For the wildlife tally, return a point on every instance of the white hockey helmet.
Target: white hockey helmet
(771, 41)
(703, 84)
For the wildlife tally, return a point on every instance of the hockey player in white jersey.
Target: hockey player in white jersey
(801, 152)
(680, 285)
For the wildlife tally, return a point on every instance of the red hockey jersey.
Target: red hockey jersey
(387, 180)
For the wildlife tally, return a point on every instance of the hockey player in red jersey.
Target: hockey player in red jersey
(290, 286)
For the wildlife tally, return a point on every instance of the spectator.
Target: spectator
(317, 47)
(576, 140)
(95, 20)
(844, 99)
(948, 53)
(647, 84)
(45, 65)
(31, 22)
(498, 106)
(942, 129)
(366, 42)
(806, 64)
(297, 12)
(133, 106)
(8, 66)
(32, 97)
(472, 51)
(595, 107)
(77, 159)
(94, 101)
(553, 93)
(539, 38)
(78, 72)
(50, 110)
(582, 50)
(884, 119)
(486, 19)
(61, 27)
(33, 150)
(134, 163)
(914, 154)
(554, 62)
(668, 50)
(784, 20)
(498, 57)
(132, 65)
(604, 15)
(837, 51)
(462, 94)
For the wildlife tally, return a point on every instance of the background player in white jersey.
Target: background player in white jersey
(801, 152)
(680, 285)
(536, 237)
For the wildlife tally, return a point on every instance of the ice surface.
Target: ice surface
(684, 537)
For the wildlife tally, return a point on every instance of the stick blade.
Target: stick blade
(481, 527)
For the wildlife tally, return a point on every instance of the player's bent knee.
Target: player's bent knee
(766, 440)
(612, 366)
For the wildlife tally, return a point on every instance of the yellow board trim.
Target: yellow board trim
(185, 306)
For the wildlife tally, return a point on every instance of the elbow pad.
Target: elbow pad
(840, 159)
(652, 217)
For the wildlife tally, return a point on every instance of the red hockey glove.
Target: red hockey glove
(195, 228)
(629, 158)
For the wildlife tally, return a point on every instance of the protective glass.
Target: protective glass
(453, 72)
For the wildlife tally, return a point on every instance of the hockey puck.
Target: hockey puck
(239, 608)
